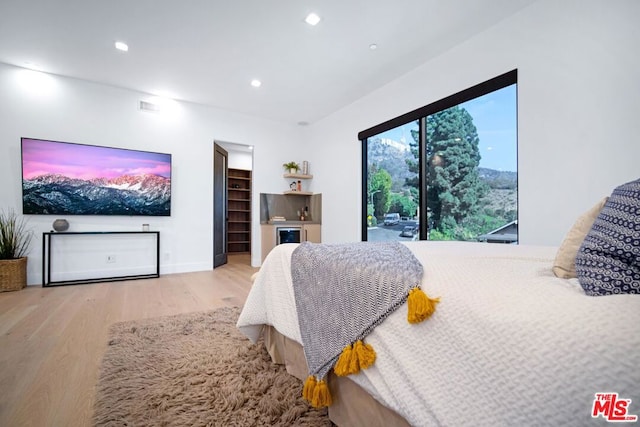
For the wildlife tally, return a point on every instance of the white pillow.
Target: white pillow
(564, 265)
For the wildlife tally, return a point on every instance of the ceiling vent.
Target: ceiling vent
(148, 106)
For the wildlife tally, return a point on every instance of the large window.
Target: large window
(447, 171)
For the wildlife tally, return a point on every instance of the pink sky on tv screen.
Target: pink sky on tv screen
(78, 161)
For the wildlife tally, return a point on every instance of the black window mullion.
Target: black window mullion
(365, 183)
(422, 179)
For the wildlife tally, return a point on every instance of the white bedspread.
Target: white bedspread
(509, 344)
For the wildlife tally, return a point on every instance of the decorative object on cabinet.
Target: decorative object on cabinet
(292, 167)
(296, 186)
(60, 225)
(239, 208)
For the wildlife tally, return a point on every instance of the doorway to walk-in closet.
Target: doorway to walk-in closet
(232, 203)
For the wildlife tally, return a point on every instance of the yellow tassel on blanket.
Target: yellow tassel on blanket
(354, 363)
(344, 362)
(421, 307)
(309, 387)
(365, 353)
(321, 395)
(353, 358)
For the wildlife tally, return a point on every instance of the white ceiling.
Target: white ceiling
(207, 51)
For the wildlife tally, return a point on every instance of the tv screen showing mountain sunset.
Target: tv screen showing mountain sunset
(62, 178)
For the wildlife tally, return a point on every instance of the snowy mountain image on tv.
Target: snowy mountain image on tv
(61, 178)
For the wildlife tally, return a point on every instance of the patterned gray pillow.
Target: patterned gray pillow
(608, 261)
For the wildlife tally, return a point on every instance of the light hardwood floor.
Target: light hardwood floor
(52, 339)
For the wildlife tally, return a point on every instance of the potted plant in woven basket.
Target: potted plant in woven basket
(15, 239)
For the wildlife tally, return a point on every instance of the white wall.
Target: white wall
(578, 110)
(240, 160)
(71, 110)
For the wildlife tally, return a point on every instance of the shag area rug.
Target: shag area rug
(195, 370)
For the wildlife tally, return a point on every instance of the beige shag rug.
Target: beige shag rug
(195, 370)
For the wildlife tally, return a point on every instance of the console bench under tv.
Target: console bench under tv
(47, 238)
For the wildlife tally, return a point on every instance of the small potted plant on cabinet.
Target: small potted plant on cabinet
(15, 239)
(292, 167)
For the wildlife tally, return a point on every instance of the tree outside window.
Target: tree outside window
(468, 166)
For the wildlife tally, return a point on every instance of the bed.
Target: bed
(509, 344)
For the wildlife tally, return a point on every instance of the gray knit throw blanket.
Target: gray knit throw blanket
(343, 291)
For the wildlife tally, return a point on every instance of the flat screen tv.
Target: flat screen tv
(63, 178)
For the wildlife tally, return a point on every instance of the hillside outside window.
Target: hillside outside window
(447, 170)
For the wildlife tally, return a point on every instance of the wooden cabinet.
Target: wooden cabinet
(311, 233)
(308, 233)
(268, 239)
(239, 211)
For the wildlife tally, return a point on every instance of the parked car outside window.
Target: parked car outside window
(409, 231)
(392, 219)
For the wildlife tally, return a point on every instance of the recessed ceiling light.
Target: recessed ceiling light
(373, 46)
(122, 46)
(256, 83)
(312, 19)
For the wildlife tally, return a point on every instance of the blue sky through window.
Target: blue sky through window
(495, 118)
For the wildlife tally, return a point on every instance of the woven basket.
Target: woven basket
(13, 274)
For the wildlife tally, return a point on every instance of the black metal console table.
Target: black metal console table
(46, 259)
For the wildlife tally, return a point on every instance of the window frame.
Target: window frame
(420, 114)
